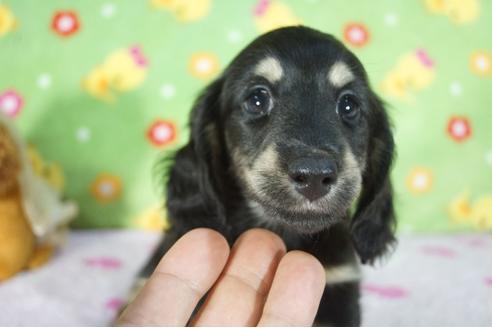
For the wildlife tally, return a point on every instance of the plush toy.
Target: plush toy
(33, 218)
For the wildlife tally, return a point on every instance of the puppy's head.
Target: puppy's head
(304, 135)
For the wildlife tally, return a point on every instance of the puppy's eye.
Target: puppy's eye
(348, 107)
(258, 102)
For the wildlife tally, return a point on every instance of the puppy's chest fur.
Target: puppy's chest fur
(332, 247)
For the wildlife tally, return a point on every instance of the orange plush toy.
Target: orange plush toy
(31, 213)
(16, 236)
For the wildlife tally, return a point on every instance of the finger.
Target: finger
(238, 297)
(296, 291)
(183, 276)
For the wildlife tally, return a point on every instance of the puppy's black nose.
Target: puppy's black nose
(312, 177)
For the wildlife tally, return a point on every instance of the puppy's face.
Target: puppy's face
(296, 111)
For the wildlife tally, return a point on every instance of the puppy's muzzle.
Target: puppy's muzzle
(313, 177)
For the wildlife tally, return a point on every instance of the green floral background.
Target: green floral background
(101, 89)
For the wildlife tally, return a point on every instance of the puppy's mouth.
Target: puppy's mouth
(276, 200)
(309, 197)
(301, 220)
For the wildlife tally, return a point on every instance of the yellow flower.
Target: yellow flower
(184, 10)
(97, 84)
(126, 68)
(481, 63)
(460, 208)
(481, 213)
(122, 71)
(203, 65)
(50, 172)
(458, 11)
(413, 72)
(152, 219)
(106, 188)
(35, 159)
(54, 176)
(7, 20)
(269, 15)
(419, 180)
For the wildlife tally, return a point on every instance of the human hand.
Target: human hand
(255, 283)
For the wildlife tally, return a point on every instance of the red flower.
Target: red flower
(356, 34)
(65, 23)
(161, 133)
(11, 102)
(459, 128)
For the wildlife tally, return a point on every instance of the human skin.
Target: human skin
(256, 283)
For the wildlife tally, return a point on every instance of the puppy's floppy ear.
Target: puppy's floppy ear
(205, 129)
(373, 224)
(193, 188)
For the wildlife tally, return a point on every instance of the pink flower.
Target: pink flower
(459, 128)
(385, 291)
(356, 34)
(161, 133)
(65, 23)
(440, 251)
(11, 103)
(103, 262)
(114, 304)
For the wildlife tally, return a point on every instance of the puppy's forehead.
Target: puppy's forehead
(269, 68)
(294, 54)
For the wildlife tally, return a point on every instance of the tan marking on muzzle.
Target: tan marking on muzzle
(353, 171)
(266, 162)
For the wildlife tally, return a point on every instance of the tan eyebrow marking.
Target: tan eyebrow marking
(270, 69)
(340, 74)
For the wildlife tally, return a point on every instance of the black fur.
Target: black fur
(205, 186)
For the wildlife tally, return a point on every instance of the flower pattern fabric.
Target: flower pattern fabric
(102, 89)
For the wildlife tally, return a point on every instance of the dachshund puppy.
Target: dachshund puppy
(291, 138)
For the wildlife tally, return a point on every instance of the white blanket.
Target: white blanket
(429, 280)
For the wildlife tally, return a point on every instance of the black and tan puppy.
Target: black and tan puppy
(291, 138)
